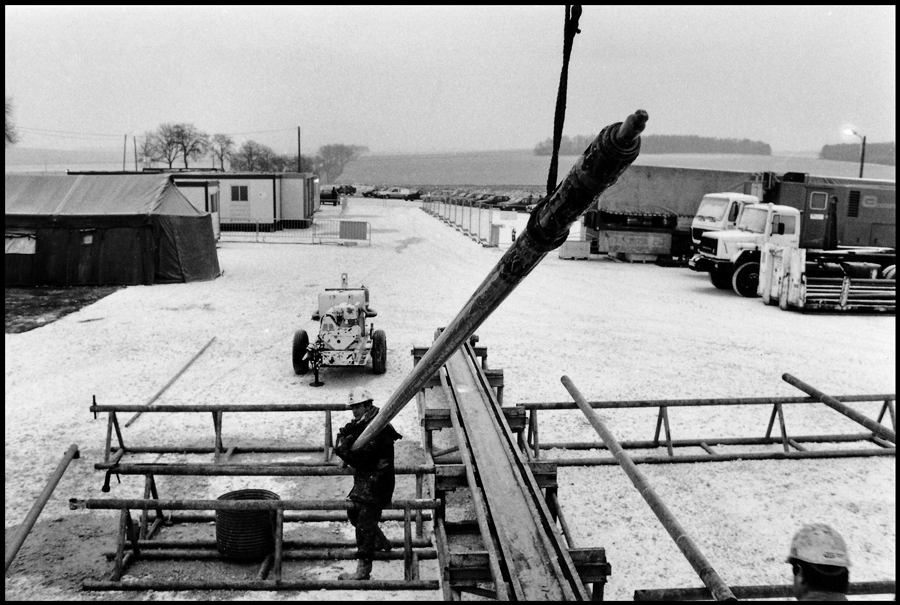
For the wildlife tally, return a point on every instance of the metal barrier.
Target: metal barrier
(467, 217)
(305, 231)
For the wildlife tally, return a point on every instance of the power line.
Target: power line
(66, 134)
(260, 131)
(62, 135)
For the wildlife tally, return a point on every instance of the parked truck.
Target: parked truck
(719, 212)
(854, 216)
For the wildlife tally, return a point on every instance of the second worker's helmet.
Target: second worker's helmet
(820, 544)
(358, 395)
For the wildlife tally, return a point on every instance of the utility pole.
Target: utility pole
(124, 152)
(134, 140)
(299, 157)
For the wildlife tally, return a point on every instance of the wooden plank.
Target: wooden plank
(535, 571)
(439, 418)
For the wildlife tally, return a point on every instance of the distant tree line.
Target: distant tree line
(171, 142)
(663, 143)
(876, 153)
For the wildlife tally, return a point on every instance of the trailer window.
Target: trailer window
(818, 200)
(239, 193)
(20, 243)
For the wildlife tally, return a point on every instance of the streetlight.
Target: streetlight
(862, 152)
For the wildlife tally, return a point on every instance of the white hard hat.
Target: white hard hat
(358, 395)
(818, 543)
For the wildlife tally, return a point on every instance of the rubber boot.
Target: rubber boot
(363, 569)
(382, 543)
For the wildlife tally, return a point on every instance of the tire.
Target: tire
(301, 344)
(379, 352)
(746, 280)
(721, 279)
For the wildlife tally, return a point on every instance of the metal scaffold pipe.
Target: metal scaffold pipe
(605, 159)
(692, 553)
(30, 519)
(876, 427)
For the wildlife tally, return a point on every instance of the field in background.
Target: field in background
(506, 168)
(523, 168)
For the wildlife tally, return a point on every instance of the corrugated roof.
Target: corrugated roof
(95, 195)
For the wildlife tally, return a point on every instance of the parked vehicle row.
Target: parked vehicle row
(393, 193)
(520, 201)
(516, 200)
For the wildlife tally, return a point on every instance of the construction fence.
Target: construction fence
(340, 232)
(481, 224)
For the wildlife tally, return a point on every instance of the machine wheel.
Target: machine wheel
(379, 352)
(746, 280)
(721, 279)
(301, 344)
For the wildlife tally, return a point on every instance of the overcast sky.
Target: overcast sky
(416, 79)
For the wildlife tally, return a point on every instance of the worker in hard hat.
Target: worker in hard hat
(820, 564)
(373, 480)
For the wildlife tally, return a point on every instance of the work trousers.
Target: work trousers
(364, 516)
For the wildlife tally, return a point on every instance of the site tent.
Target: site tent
(64, 230)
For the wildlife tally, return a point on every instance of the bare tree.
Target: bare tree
(249, 157)
(336, 156)
(12, 137)
(221, 146)
(191, 141)
(148, 148)
(167, 145)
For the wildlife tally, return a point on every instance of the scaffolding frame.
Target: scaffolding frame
(792, 445)
(131, 546)
(135, 537)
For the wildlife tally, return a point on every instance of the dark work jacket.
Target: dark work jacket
(373, 465)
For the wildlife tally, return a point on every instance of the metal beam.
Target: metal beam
(691, 551)
(19, 538)
(262, 585)
(652, 403)
(877, 428)
(756, 592)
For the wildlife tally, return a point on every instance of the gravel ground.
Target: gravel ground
(618, 330)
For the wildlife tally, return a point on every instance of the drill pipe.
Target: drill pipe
(605, 159)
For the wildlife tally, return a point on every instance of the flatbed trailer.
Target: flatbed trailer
(828, 280)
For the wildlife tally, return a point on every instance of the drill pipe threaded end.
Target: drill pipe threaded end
(632, 128)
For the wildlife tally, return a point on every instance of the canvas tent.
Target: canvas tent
(64, 230)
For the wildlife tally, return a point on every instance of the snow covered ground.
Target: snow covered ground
(619, 331)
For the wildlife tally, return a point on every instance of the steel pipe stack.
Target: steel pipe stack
(605, 159)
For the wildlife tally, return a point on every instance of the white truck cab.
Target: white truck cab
(719, 212)
(732, 256)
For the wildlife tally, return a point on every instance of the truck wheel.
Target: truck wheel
(746, 280)
(721, 279)
(379, 352)
(301, 344)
